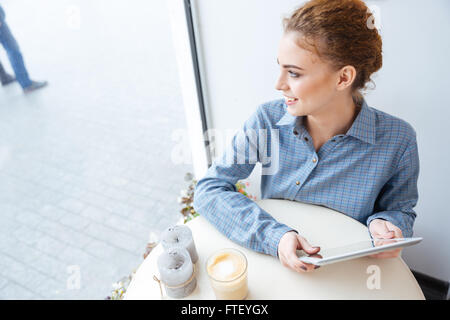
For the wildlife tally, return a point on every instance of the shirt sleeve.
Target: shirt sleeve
(399, 195)
(232, 213)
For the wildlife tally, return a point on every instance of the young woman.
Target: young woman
(334, 150)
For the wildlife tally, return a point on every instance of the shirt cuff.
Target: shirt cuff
(397, 218)
(274, 238)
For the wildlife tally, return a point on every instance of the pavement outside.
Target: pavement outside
(86, 169)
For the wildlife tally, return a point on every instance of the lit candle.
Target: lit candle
(177, 272)
(180, 236)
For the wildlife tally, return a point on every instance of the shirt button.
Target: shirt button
(334, 140)
(297, 183)
(314, 160)
(295, 132)
(306, 139)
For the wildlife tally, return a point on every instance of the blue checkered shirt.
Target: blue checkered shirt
(368, 173)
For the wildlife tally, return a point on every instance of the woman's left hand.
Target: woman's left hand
(383, 229)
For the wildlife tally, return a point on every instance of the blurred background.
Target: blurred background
(86, 169)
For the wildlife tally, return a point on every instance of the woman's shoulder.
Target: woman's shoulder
(271, 111)
(392, 127)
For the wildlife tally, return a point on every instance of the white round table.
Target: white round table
(268, 279)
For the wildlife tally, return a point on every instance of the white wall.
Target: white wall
(238, 43)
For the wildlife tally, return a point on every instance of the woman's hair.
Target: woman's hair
(342, 33)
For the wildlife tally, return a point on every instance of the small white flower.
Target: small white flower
(184, 193)
(153, 237)
(115, 286)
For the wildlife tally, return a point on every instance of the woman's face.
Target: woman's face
(305, 78)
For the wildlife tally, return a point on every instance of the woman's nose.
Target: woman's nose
(280, 84)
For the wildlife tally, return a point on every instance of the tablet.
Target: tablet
(355, 250)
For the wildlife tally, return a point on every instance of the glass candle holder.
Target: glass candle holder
(227, 271)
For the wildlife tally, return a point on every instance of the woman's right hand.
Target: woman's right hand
(289, 243)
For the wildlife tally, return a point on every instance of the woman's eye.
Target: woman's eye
(293, 74)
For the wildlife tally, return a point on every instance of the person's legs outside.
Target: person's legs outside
(5, 78)
(15, 57)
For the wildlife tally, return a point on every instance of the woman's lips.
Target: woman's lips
(290, 101)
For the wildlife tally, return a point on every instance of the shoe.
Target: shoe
(7, 79)
(34, 86)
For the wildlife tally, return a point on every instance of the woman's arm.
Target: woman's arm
(236, 216)
(399, 196)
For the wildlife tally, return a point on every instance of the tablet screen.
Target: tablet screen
(330, 252)
(339, 251)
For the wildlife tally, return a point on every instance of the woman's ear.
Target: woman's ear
(346, 76)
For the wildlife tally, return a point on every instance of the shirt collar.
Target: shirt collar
(287, 119)
(363, 128)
